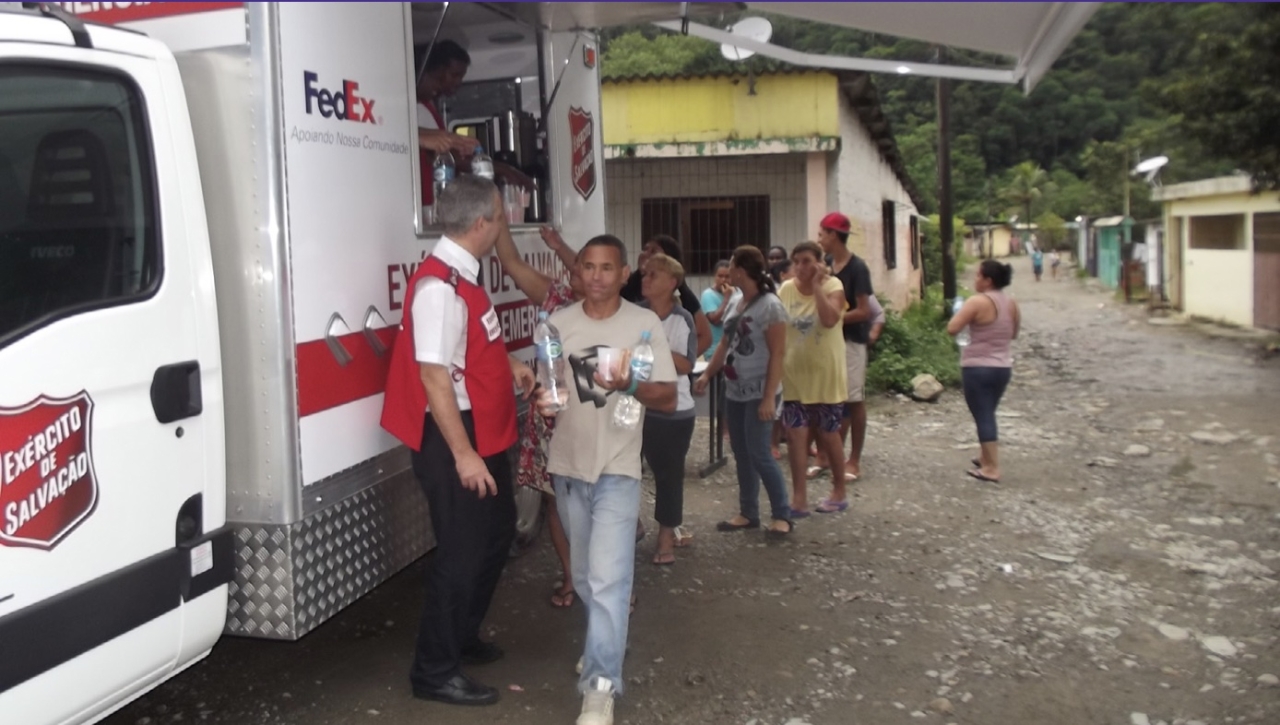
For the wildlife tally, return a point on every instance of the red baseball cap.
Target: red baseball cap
(836, 222)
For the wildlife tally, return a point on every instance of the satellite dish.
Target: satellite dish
(1151, 167)
(757, 29)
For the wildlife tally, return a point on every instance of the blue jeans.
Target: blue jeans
(600, 521)
(751, 440)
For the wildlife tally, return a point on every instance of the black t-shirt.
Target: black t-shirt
(856, 278)
(631, 292)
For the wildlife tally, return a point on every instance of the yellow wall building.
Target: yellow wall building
(1222, 251)
(723, 160)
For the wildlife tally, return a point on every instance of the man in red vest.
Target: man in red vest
(450, 397)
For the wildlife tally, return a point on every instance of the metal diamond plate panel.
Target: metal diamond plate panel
(291, 578)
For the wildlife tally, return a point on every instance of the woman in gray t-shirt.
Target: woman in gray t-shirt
(751, 353)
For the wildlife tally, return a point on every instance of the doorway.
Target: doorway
(1266, 270)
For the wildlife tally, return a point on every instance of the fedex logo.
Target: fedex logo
(345, 105)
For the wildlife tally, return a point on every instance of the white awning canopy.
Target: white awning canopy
(1031, 34)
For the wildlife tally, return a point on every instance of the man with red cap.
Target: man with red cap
(833, 236)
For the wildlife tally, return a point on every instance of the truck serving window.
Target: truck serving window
(498, 101)
(77, 223)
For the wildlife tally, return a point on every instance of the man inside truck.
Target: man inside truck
(446, 67)
(449, 398)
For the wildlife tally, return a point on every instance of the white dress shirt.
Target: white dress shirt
(440, 317)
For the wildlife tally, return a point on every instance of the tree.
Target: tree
(1025, 187)
(1051, 230)
(1227, 96)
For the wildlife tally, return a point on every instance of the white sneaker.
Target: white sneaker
(597, 704)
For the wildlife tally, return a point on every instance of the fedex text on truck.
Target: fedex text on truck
(346, 105)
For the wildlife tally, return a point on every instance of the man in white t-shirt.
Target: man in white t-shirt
(595, 465)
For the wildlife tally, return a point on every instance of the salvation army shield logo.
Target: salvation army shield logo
(582, 135)
(47, 483)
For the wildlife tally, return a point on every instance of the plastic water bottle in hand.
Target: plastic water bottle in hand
(629, 411)
(481, 164)
(962, 337)
(550, 362)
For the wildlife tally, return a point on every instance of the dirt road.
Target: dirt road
(1124, 572)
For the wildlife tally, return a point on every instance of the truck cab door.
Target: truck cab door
(110, 386)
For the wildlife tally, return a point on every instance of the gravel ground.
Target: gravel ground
(1124, 571)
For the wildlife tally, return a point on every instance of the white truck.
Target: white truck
(207, 218)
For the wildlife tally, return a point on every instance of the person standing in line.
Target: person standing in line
(986, 363)
(550, 294)
(667, 435)
(779, 272)
(777, 255)
(595, 465)
(814, 383)
(752, 354)
(450, 398)
(1037, 262)
(716, 302)
(664, 244)
(855, 277)
(1055, 260)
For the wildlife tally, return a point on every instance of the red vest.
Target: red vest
(487, 375)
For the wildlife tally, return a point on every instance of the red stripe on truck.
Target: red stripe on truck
(323, 383)
(127, 12)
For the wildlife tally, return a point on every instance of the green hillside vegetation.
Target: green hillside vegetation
(1199, 83)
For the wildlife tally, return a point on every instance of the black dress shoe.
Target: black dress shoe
(480, 653)
(458, 690)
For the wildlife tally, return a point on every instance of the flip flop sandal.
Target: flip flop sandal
(798, 514)
(730, 526)
(831, 507)
(978, 474)
(778, 534)
(565, 600)
(814, 471)
(683, 538)
(851, 477)
(976, 462)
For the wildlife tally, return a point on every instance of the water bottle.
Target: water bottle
(962, 337)
(629, 411)
(442, 173)
(550, 362)
(481, 164)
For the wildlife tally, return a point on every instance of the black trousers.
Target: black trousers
(473, 539)
(665, 444)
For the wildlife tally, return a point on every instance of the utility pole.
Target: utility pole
(945, 214)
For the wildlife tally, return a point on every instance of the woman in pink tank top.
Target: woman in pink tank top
(986, 364)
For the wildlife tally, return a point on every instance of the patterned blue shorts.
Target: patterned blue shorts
(826, 416)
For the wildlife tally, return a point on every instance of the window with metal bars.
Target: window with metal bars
(890, 217)
(709, 228)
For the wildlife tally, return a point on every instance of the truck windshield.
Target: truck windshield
(77, 225)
